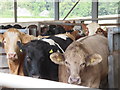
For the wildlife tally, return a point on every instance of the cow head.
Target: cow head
(76, 60)
(37, 61)
(101, 32)
(10, 38)
(92, 28)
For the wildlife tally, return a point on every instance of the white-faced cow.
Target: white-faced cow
(14, 56)
(85, 61)
(92, 28)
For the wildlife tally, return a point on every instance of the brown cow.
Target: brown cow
(85, 60)
(14, 56)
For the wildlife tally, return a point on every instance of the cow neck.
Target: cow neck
(59, 47)
(70, 36)
(52, 42)
(16, 67)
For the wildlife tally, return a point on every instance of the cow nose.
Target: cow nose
(76, 80)
(12, 55)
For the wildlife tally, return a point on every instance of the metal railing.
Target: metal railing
(15, 81)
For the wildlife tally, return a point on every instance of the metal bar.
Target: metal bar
(56, 10)
(15, 10)
(4, 67)
(21, 30)
(115, 24)
(111, 72)
(15, 81)
(71, 9)
(94, 10)
(110, 39)
(77, 24)
(113, 59)
(110, 59)
(2, 53)
(89, 19)
(114, 30)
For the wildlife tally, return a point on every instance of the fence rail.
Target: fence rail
(15, 81)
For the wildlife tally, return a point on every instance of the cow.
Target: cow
(56, 29)
(85, 61)
(37, 62)
(14, 56)
(101, 31)
(92, 28)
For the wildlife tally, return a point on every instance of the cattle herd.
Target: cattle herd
(59, 54)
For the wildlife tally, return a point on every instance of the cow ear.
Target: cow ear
(26, 38)
(94, 59)
(21, 46)
(57, 58)
(1, 38)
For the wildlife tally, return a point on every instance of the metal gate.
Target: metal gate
(114, 58)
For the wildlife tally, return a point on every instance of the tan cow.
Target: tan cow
(14, 56)
(85, 60)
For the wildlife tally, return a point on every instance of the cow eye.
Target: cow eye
(83, 65)
(67, 63)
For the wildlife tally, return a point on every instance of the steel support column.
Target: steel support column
(94, 10)
(56, 9)
(15, 10)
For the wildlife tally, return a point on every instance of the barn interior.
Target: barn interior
(34, 17)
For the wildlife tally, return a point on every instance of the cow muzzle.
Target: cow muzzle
(12, 56)
(74, 80)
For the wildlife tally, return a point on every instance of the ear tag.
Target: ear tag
(51, 51)
(21, 50)
(59, 60)
(92, 60)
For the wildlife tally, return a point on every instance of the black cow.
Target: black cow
(59, 29)
(53, 30)
(37, 62)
